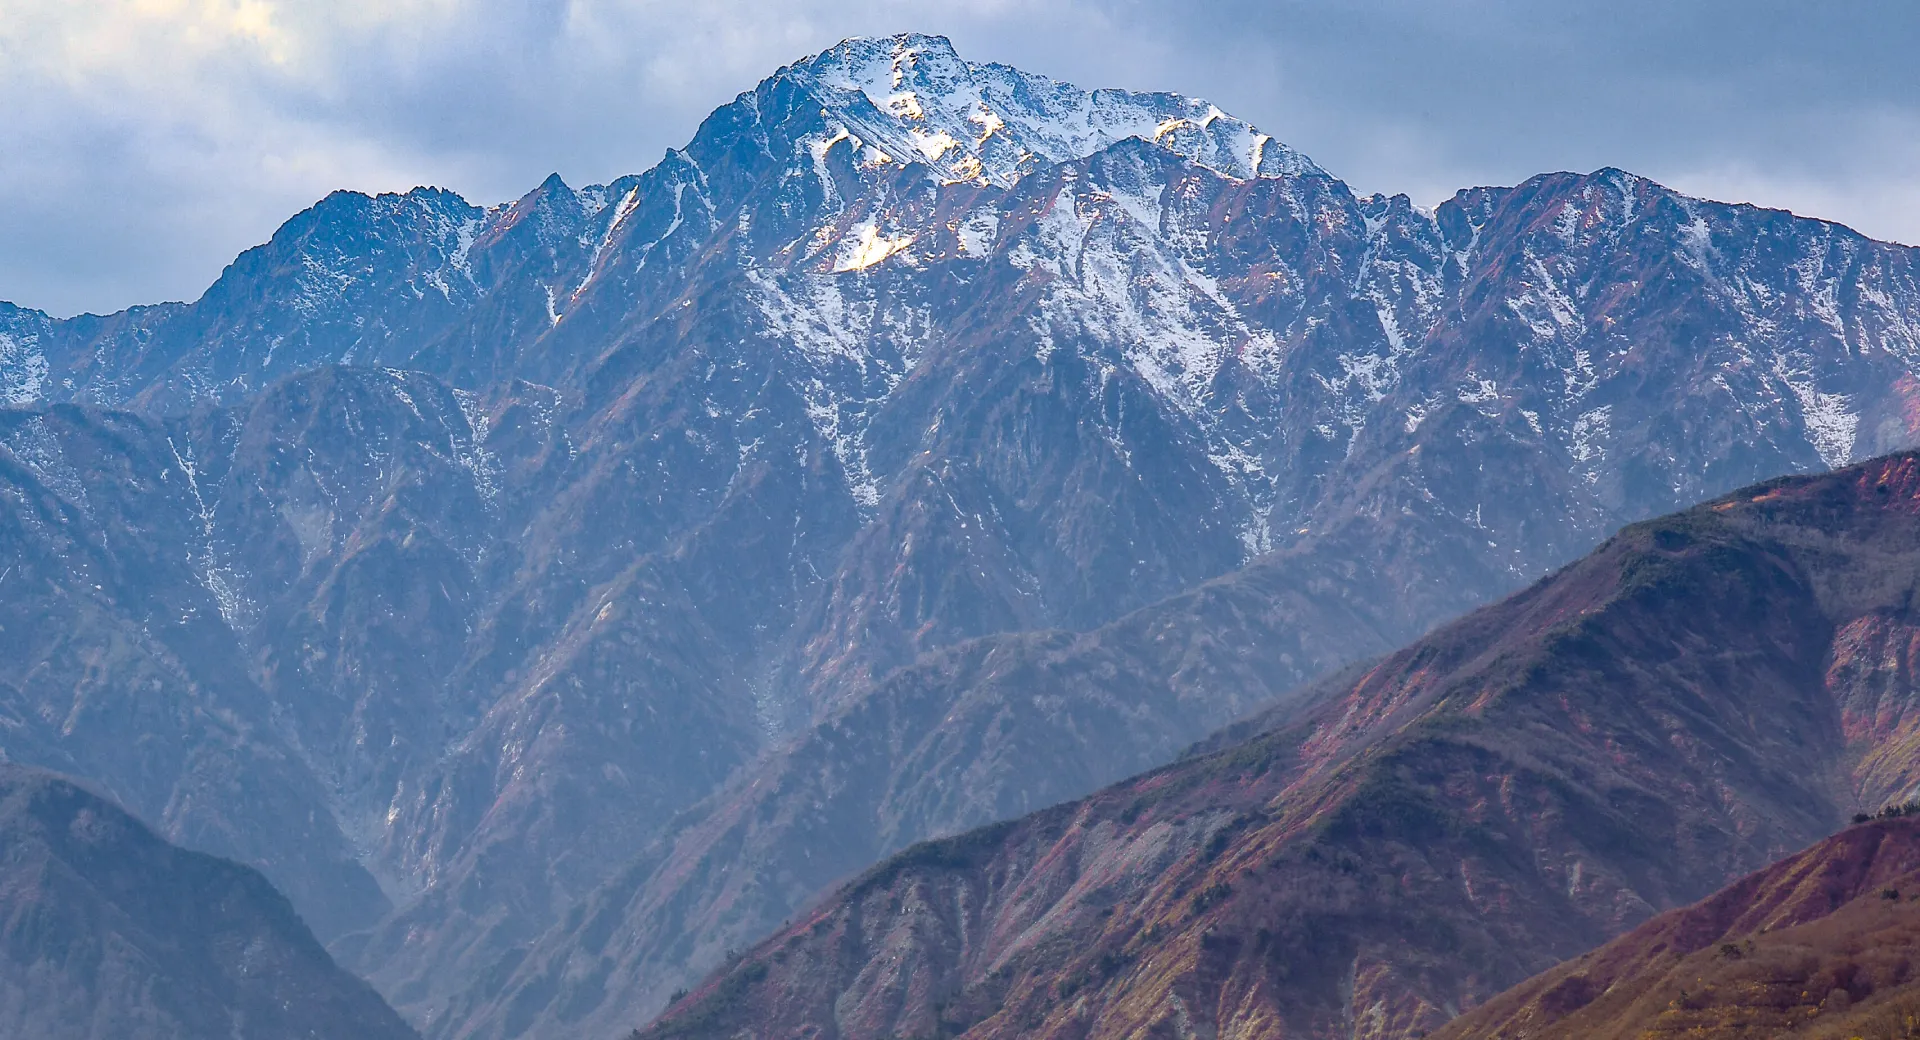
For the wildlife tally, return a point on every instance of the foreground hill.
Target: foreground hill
(109, 933)
(1701, 696)
(1823, 944)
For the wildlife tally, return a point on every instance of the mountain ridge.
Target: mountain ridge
(1818, 944)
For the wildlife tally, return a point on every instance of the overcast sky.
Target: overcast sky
(143, 143)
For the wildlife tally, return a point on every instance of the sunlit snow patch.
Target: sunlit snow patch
(989, 123)
(933, 145)
(868, 246)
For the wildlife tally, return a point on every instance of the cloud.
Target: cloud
(146, 142)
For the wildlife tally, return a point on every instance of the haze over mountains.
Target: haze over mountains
(550, 597)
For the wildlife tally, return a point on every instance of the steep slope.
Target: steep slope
(1698, 698)
(260, 626)
(108, 932)
(1821, 944)
(899, 352)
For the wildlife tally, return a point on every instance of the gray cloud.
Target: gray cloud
(148, 141)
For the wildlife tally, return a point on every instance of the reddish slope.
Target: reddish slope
(1823, 943)
(1703, 695)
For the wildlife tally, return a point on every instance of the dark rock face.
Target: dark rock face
(108, 932)
(1678, 709)
(725, 468)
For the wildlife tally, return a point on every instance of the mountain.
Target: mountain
(1703, 695)
(512, 534)
(106, 931)
(1820, 944)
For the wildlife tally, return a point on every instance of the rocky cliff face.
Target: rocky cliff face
(108, 932)
(900, 352)
(1626, 736)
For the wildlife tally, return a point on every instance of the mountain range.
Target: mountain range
(552, 597)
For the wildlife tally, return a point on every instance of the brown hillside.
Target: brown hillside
(1824, 944)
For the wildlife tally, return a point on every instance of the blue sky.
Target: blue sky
(146, 142)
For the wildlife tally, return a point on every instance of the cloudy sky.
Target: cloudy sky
(143, 143)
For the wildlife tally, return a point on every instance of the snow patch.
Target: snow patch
(1416, 414)
(1830, 420)
(234, 608)
(1696, 240)
(1480, 391)
(470, 451)
(1589, 434)
(913, 94)
(23, 368)
(867, 246)
(933, 145)
(978, 232)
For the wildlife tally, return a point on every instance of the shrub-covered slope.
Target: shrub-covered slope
(1824, 944)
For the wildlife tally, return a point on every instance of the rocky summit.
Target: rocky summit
(552, 596)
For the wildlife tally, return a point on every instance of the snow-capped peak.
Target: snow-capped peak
(914, 98)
